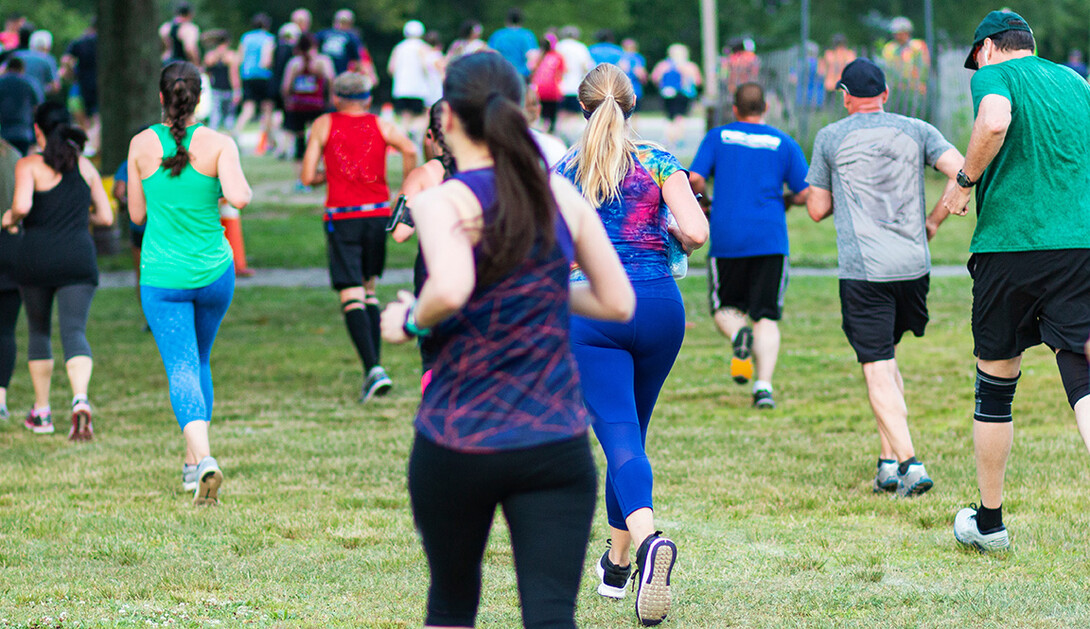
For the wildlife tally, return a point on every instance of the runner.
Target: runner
(409, 66)
(222, 65)
(56, 260)
(305, 89)
(181, 37)
(10, 302)
(256, 51)
(178, 170)
(499, 238)
(678, 79)
(635, 188)
(352, 143)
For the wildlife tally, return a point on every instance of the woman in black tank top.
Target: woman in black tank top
(223, 74)
(56, 259)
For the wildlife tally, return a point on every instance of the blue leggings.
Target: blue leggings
(622, 367)
(185, 322)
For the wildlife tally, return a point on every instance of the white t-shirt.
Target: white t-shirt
(409, 62)
(577, 63)
(552, 147)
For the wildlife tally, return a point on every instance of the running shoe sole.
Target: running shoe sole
(918, 489)
(208, 488)
(81, 424)
(741, 364)
(653, 596)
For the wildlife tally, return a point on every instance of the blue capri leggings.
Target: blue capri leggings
(622, 367)
(185, 322)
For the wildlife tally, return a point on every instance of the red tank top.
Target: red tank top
(355, 164)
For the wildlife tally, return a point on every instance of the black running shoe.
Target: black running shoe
(741, 363)
(654, 563)
(612, 578)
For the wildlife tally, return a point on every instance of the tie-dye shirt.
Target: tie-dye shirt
(636, 220)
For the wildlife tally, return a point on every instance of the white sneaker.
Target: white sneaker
(209, 479)
(885, 479)
(914, 482)
(967, 533)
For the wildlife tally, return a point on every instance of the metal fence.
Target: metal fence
(799, 105)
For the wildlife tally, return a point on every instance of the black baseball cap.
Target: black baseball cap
(862, 78)
(995, 23)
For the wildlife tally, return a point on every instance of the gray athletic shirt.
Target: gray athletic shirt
(874, 165)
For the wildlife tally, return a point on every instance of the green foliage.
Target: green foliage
(66, 19)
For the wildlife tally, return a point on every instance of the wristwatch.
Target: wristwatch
(964, 181)
(410, 327)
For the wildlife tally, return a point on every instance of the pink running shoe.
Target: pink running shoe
(81, 422)
(39, 421)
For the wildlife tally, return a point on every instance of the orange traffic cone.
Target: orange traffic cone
(262, 144)
(232, 229)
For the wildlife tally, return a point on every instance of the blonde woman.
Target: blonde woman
(635, 187)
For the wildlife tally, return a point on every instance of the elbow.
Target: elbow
(995, 126)
(623, 308)
(815, 214)
(452, 296)
(241, 199)
(700, 237)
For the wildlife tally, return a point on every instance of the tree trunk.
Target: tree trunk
(128, 74)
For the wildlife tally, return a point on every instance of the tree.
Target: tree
(128, 73)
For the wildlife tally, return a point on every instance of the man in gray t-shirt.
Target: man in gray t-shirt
(869, 168)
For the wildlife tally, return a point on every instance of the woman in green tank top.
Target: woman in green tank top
(178, 171)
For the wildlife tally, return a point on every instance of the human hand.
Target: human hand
(955, 199)
(393, 318)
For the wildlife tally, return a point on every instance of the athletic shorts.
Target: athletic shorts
(297, 121)
(1025, 298)
(877, 314)
(753, 285)
(89, 94)
(357, 250)
(571, 103)
(676, 106)
(411, 106)
(256, 90)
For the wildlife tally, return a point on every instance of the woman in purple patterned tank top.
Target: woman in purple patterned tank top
(502, 422)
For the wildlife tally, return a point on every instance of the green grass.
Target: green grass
(772, 512)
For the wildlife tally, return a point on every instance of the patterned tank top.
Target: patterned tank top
(505, 377)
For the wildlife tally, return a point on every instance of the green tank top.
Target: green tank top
(184, 244)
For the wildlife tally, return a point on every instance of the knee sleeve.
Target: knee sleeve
(994, 396)
(1075, 375)
(351, 305)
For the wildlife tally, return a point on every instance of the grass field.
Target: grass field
(772, 512)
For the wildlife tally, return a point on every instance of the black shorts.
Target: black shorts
(88, 93)
(1024, 298)
(256, 90)
(411, 106)
(676, 106)
(297, 121)
(357, 250)
(571, 103)
(753, 285)
(877, 314)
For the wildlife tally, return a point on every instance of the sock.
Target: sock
(882, 462)
(359, 329)
(762, 385)
(375, 315)
(989, 520)
(903, 466)
(79, 398)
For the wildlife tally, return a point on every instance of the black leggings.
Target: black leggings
(547, 494)
(9, 315)
(73, 306)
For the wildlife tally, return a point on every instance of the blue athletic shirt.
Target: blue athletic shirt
(513, 42)
(252, 44)
(504, 377)
(636, 220)
(750, 164)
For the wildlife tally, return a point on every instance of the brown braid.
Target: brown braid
(180, 86)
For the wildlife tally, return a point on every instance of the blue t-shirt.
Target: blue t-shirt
(343, 47)
(19, 96)
(629, 61)
(750, 164)
(606, 52)
(252, 44)
(636, 220)
(513, 42)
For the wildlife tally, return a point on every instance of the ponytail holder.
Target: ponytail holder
(587, 114)
(74, 144)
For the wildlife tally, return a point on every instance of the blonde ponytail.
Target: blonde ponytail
(606, 148)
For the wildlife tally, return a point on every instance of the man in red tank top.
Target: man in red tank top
(353, 143)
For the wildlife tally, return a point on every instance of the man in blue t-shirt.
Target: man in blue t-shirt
(514, 42)
(747, 264)
(605, 48)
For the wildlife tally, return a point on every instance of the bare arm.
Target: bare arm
(24, 191)
(396, 138)
(421, 178)
(796, 198)
(607, 294)
(289, 75)
(319, 134)
(698, 183)
(692, 225)
(950, 162)
(192, 36)
(232, 180)
(138, 207)
(819, 203)
(103, 214)
(989, 132)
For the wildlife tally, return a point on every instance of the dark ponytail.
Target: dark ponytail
(63, 142)
(485, 92)
(180, 87)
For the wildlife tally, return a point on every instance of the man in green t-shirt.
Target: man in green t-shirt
(1031, 249)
